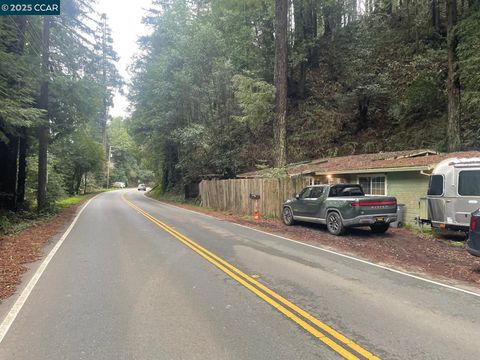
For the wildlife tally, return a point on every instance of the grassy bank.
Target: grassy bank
(11, 223)
(157, 194)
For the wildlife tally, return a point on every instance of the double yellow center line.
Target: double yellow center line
(336, 341)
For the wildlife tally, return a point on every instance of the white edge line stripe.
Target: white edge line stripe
(332, 252)
(17, 306)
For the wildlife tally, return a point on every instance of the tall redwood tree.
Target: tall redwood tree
(44, 129)
(281, 73)
(453, 85)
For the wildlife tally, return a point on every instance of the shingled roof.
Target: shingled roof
(422, 159)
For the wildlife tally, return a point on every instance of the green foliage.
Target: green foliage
(69, 201)
(360, 81)
(186, 114)
(469, 72)
(256, 99)
(175, 197)
(272, 172)
(381, 85)
(126, 159)
(17, 83)
(81, 81)
(56, 181)
(12, 223)
(77, 154)
(424, 97)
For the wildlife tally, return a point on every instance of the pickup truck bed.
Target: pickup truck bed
(339, 207)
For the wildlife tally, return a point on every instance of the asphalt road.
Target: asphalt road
(137, 279)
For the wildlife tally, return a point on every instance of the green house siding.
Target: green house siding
(408, 188)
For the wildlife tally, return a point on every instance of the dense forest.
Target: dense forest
(57, 78)
(363, 76)
(224, 86)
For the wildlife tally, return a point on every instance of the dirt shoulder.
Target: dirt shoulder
(401, 249)
(19, 249)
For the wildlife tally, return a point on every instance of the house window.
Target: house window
(316, 181)
(373, 185)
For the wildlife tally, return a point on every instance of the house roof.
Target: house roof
(408, 160)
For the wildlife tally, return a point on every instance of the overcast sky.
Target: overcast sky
(124, 18)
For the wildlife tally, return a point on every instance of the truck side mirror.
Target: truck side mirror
(297, 196)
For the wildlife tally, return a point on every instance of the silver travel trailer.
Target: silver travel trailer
(454, 193)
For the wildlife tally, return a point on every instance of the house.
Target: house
(403, 174)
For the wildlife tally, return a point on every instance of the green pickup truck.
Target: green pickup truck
(339, 207)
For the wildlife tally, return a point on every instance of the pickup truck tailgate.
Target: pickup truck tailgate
(375, 205)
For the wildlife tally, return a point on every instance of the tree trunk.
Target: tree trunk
(363, 105)
(305, 13)
(281, 73)
(453, 85)
(353, 15)
(43, 130)
(72, 182)
(302, 81)
(22, 169)
(388, 6)
(299, 44)
(368, 6)
(328, 21)
(435, 12)
(311, 32)
(78, 183)
(104, 81)
(9, 151)
(23, 138)
(8, 175)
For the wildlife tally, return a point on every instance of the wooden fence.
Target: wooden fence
(234, 195)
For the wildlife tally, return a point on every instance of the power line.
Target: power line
(26, 31)
(31, 45)
(81, 37)
(34, 35)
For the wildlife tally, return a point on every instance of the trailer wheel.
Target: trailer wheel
(335, 224)
(379, 228)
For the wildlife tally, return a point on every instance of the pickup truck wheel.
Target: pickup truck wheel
(288, 216)
(335, 224)
(379, 228)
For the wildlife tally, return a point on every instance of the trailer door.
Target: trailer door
(436, 202)
(469, 195)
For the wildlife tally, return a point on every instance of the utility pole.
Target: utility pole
(44, 129)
